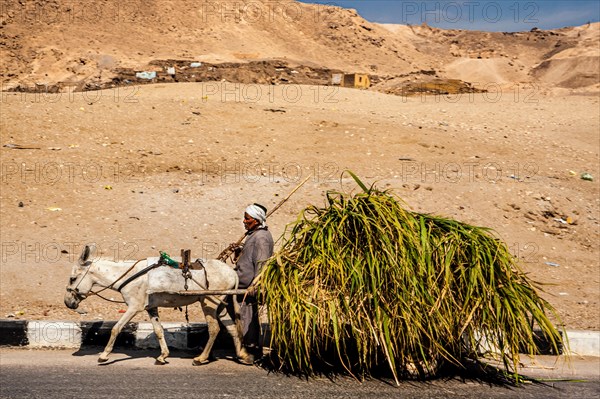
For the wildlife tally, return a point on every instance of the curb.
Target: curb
(62, 334)
(137, 335)
(584, 343)
(140, 335)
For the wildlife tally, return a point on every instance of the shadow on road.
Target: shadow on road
(132, 353)
(473, 371)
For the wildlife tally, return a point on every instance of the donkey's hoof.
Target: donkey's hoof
(198, 362)
(102, 359)
(160, 362)
(247, 360)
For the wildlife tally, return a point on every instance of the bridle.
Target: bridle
(75, 291)
(81, 296)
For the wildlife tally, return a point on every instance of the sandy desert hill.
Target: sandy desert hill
(75, 40)
(49, 42)
(137, 168)
(566, 58)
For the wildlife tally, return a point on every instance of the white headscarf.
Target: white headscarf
(257, 213)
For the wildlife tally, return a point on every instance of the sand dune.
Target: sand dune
(51, 41)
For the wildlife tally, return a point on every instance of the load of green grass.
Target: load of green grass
(363, 282)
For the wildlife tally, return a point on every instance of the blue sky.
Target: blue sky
(495, 15)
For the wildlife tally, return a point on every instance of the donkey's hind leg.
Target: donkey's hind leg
(233, 324)
(160, 335)
(209, 306)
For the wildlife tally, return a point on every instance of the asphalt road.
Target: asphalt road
(67, 374)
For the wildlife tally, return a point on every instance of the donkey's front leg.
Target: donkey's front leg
(126, 318)
(160, 335)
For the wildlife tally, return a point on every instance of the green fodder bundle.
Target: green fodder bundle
(363, 283)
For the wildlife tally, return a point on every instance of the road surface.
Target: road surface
(53, 374)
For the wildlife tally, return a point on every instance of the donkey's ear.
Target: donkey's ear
(85, 254)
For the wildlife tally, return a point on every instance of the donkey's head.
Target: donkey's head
(80, 282)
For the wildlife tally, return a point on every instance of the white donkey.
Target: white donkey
(149, 291)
